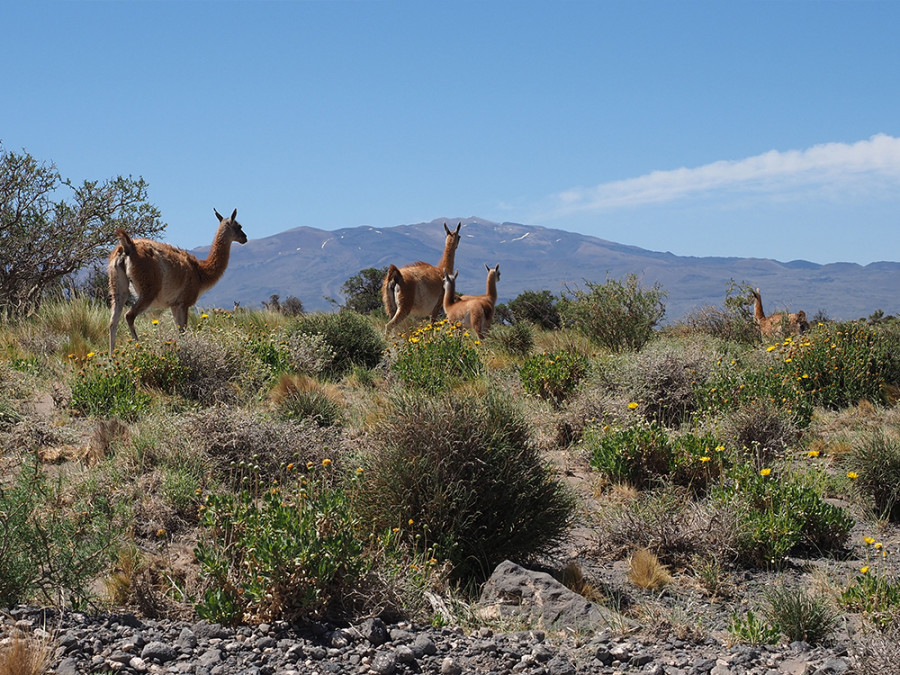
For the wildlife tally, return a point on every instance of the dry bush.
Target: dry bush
(760, 431)
(721, 323)
(662, 379)
(26, 655)
(585, 407)
(246, 443)
(877, 653)
(669, 524)
(157, 586)
(645, 570)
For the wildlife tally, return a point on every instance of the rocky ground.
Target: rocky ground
(125, 643)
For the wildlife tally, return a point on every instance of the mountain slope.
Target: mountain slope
(313, 264)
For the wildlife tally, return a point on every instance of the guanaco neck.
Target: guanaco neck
(213, 267)
(758, 308)
(492, 285)
(446, 262)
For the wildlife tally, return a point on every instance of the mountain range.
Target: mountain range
(313, 264)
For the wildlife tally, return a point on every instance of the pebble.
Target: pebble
(130, 645)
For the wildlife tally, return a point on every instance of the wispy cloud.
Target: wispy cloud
(773, 173)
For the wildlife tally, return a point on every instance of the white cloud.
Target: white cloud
(774, 173)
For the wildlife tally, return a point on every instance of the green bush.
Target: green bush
(780, 516)
(645, 454)
(436, 357)
(159, 368)
(293, 554)
(536, 307)
(53, 544)
(617, 315)
(311, 404)
(466, 480)
(553, 376)
(800, 615)
(104, 387)
(351, 336)
(516, 339)
(876, 460)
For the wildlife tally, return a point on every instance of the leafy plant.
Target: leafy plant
(351, 336)
(292, 554)
(645, 453)
(753, 630)
(436, 356)
(52, 545)
(106, 387)
(875, 595)
(780, 516)
(553, 376)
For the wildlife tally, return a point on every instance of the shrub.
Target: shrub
(251, 449)
(466, 479)
(780, 516)
(760, 431)
(53, 545)
(553, 376)
(157, 367)
(726, 324)
(516, 339)
(877, 462)
(671, 524)
(645, 453)
(800, 615)
(664, 381)
(838, 365)
(309, 353)
(754, 378)
(436, 357)
(617, 315)
(293, 554)
(537, 307)
(302, 397)
(351, 336)
(874, 595)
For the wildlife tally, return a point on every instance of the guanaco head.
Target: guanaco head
(232, 227)
(495, 269)
(452, 237)
(450, 280)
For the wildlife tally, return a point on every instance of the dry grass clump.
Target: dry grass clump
(24, 654)
(303, 397)
(645, 570)
(725, 324)
(877, 653)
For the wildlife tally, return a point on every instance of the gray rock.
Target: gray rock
(158, 651)
(373, 630)
(384, 663)
(68, 667)
(450, 667)
(513, 592)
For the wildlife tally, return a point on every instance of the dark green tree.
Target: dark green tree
(43, 240)
(363, 291)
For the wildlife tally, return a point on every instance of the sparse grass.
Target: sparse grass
(801, 615)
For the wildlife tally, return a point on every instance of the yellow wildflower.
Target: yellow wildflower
(90, 355)
(704, 459)
(770, 349)
(155, 322)
(632, 405)
(864, 569)
(411, 521)
(204, 316)
(326, 462)
(812, 453)
(852, 475)
(765, 472)
(869, 540)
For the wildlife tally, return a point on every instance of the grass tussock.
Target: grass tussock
(645, 570)
(26, 655)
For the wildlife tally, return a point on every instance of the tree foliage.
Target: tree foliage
(44, 240)
(363, 291)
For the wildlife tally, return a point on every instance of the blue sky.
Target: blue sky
(744, 128)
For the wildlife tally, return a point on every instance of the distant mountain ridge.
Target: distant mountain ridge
(313, 264)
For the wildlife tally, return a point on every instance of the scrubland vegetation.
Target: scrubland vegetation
(262, 466)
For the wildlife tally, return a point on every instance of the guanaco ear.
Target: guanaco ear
(446, 229)
(234, 215)
(458, 225)
(486, 267)
(218, 215)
